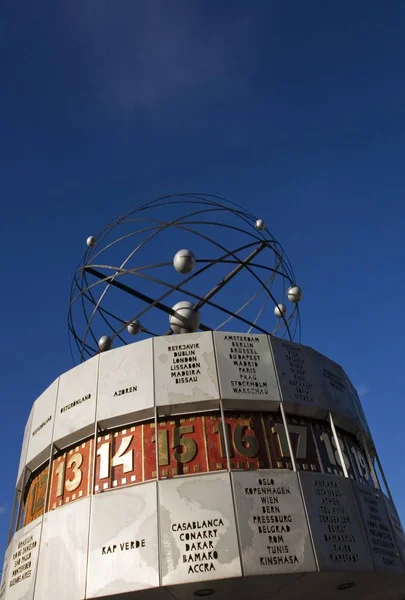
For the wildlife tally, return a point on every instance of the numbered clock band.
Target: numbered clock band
(190, 446)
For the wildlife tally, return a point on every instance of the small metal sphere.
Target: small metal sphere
(280, 310)
(184, 261)
(134, 327)
(260, 224)
(294, 294)
(105, 343)
(185, 319)
(90, 241)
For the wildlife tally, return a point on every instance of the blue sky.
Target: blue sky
(295, 109)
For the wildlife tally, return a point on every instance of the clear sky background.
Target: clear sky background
(295, 109)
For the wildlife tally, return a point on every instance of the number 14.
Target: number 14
(124, 456)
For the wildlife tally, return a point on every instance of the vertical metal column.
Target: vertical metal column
(337, 443)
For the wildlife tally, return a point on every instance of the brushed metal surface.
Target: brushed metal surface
(24, 448)
(298, 372)
(312, 384)
(125, 384)
(359, 408)
(272, 524)
(335, 389)
(396, 526)
(336, 526)
(246, 371)
(76, 404)
(384, 549)
(185, 373)
(4, 573)
(43, 418)
(23, 560)
(123, 549)
(61, 570)
(197, 529)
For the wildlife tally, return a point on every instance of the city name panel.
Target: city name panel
(202, 464)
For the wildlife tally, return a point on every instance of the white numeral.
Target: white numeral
(74, 463)
(104, 453)
(123, 457)
(333, 453)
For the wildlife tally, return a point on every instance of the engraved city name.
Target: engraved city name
(123, 546)
(75, 403)
(22, 567)
(244, 354)
(298, 379)
(274, 522)
(379, 533)
(184, 348)
(128, 390)
(186, 365)
(200, 556)
(337, 523)
(42, 425)
(334, 380)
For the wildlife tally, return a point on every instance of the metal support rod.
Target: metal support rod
(387, 487)
(338, 448)
(112, 281)
(20, 509)
(287, 433)
(362, 440)
(91, 486)
(226, 439)
(230, 275)
(10, 531)
(157, 458)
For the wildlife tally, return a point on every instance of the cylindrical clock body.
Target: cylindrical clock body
(204, 464)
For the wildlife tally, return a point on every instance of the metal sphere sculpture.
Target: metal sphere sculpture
(280, 310)
(185, 319)
(134, 327)
(184, 261)
(105, 343)
(294, 294)
(177, 264)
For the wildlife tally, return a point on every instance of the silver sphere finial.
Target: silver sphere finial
(105, 343)
(185, 319)
(91, 240)
(134, 327)
(184, 261)
(280, 310)
(260, 224)
(294, 294)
